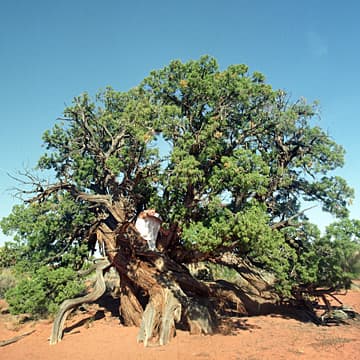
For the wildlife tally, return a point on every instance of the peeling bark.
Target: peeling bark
(161, 313)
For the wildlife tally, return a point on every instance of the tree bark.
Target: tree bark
(131, 310)
(166, 290)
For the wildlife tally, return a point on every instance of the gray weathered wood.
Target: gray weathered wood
(68, 305)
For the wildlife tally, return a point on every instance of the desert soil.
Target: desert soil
(95, 334)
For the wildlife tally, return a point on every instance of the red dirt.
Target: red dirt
(262, 337)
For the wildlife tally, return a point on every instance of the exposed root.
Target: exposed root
(15, 339)
(68, 305)
(161, 313)
(200, 319)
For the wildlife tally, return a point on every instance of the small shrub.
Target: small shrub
(43, 292)
(8, 256)
(7, 281)
(221, 272)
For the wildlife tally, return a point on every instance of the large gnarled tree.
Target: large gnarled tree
(227, 161)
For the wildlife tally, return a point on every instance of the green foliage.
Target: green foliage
(48, 232)
(332, 260)
(9, 255)
(235, 140)
(119, 130)
(40, 293)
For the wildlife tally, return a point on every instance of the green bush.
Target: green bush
(8, 255)
(41, 293)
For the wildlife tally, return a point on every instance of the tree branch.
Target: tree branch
(287, 222)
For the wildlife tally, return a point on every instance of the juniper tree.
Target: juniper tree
(229, 162)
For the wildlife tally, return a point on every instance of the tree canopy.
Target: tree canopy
(229, 162)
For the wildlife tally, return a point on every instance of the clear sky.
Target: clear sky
(51, 51)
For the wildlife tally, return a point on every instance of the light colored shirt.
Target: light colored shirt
(148, 228)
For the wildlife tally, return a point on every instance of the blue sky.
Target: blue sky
(51, 51)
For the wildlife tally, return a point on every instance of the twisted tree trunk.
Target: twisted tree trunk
(165, 289)
(157, 289)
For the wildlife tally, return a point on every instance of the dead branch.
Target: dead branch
(287, 222)
(43, 194)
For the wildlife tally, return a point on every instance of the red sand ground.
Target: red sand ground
(256, 338)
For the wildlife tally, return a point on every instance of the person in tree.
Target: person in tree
(148, 224)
